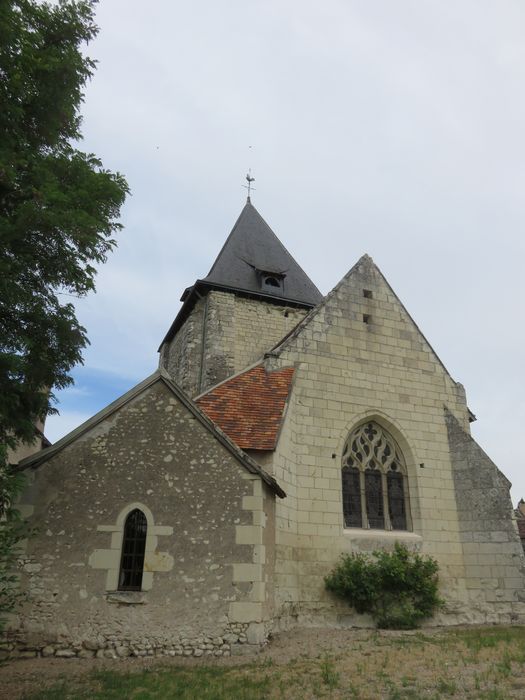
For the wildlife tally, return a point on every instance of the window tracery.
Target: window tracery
(374, 482)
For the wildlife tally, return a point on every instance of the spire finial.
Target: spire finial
(249, 187)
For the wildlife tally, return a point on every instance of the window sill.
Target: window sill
(126, 597)
(362, 533)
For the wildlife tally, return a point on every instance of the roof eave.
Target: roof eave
(245, 460)
(191, 294)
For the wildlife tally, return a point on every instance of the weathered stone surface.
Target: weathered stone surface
(495, 566)
(256, 633)
(194, 526)
(86, 654)
(65, 653)
(91, 644)
(223, 334)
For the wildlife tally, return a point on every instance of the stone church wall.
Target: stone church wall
(492, 551)
(259, 326)
(208, 553)
(360, 357)
(182, 356)
(223, 334)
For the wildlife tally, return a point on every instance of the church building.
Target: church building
(201, 511)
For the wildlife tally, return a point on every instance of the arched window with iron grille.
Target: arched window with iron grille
(133, 549)
(374, 480)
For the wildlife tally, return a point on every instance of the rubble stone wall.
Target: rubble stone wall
(203, 526)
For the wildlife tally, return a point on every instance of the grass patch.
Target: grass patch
(490, 637)
(204, 683)
(472, 664)
(446, 687)
(329, 675)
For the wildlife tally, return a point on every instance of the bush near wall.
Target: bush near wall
(398, 589)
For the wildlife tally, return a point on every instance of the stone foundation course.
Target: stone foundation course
(235, 641)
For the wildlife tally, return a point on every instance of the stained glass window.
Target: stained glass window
(374, 480)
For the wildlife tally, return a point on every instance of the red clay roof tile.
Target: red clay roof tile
(249, 407)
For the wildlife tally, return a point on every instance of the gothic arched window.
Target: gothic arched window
(375, 488)
(133, 549)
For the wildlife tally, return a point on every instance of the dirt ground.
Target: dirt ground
(22, 676)
(364, 661)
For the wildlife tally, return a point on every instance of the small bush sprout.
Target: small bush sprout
(398, 589)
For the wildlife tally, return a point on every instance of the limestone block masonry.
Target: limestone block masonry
(360, 357)
(492, 550)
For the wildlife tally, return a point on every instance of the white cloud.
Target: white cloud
(390, 128)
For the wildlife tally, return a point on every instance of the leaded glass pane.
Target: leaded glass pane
(351, 497)
(133, 548)
(396, 500)
(374, 499)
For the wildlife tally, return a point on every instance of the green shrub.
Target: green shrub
(398, 589)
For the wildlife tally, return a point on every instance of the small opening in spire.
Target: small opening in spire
(272, 281)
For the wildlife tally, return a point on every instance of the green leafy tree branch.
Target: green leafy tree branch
(59, 210)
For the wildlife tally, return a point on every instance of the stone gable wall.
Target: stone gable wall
(203, 528)
(360, 357)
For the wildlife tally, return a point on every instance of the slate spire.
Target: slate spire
(254, 260)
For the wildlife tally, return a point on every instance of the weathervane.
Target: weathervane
(249, 179)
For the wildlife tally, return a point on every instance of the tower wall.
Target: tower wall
(181, 356)
(223, 334)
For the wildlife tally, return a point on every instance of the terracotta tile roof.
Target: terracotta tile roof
(249, 407)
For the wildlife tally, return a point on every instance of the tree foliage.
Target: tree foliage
(59, 207)
(13, 531)
(59, 210)
(398, 589)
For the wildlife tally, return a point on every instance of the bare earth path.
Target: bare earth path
(314, 663)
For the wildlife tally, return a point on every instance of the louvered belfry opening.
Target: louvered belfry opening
(133, 549)
(374, 481)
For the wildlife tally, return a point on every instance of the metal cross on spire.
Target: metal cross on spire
(249, 179)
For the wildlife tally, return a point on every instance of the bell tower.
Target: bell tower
(254, 294)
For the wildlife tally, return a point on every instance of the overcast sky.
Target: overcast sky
(391, 128)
